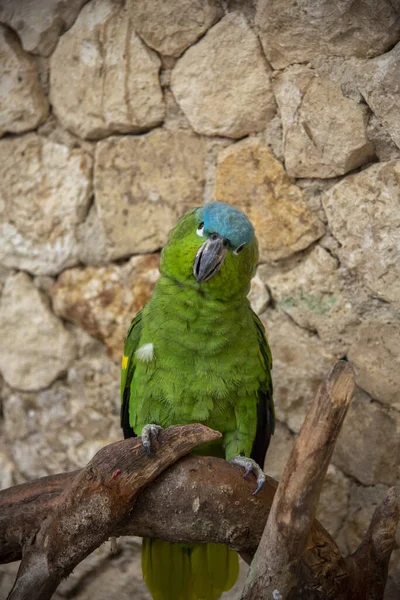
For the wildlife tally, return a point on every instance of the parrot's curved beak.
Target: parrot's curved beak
(210, 257)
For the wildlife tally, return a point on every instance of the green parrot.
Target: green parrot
(197, 353)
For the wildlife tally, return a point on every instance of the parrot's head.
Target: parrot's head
(212, 248)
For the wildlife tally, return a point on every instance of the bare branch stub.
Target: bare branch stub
(275, 570)
(96, 501)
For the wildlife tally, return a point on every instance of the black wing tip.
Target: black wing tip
(128, 432)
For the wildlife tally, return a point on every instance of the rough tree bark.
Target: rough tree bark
(274, 569)
(54, 522)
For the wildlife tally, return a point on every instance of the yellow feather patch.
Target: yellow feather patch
(124, 361)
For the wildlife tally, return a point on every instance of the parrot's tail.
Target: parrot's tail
(188, 571)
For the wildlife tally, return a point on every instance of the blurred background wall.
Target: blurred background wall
(116, 117)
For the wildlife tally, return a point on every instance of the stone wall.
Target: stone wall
(116, 117)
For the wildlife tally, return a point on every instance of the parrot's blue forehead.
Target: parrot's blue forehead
(229, 222)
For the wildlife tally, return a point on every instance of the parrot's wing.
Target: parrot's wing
(265, 407)
(127, 371)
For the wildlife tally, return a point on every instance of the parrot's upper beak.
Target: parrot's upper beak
(210, 257)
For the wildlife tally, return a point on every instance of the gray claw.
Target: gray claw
(250, 466)
(147, 432)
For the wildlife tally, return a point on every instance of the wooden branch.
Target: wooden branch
(98, 498)
(373, 554)
(274, 569)
(197, 499)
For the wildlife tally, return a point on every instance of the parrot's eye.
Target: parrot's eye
(200, 229)
(238, 249)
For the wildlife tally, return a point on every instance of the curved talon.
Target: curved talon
(250, 466)
(147, 432)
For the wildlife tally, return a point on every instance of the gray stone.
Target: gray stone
(37, 229)
(375, 353)
(6, 468)
(378, 80)
(368, 447)
(172, 26)
(258, 296)
(103, 78)
(278, 451)
(363, 213)
(101, 574)
(35, 347)
(143, 185)
(334, 500)
(250, 178)
(296, 32)
(324, 133)
(223, 84)
(39, 23)
(363, 501)
(384, 146)
(61, 428)
(300, 362)
(314, 294)
(23, 105)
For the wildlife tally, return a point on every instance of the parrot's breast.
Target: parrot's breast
(204, 359)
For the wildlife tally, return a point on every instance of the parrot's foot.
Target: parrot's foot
(148, 432)
(250, 466)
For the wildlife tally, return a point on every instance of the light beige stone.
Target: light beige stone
(103, 301)
(44, 195)
(258, 296)
(22, 102)
(379, 81)
(313, 293)
(39, 23)
(384, 146)
(375, 353)
(324, 133)
(300, 362)
(143, 185)
(103, 78)
(61, 428)
(223, 83)
(107, 577)
(334, 500)
(35, 346)
(6, 468)
(172, 26)
(368, 447)
(362, 503)
(250, 178)
(363, 213)
(296, 32)
(279, 450)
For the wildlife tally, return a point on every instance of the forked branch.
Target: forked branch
(53, 523)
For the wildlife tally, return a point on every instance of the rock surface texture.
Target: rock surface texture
(295, 32)
(324, 133)
(116, 117)
(143, 184)
(103, 78)
(171, 27)
(39, 23)
(219, 94)
(250, 178)
(44, 195)
(23, 105)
